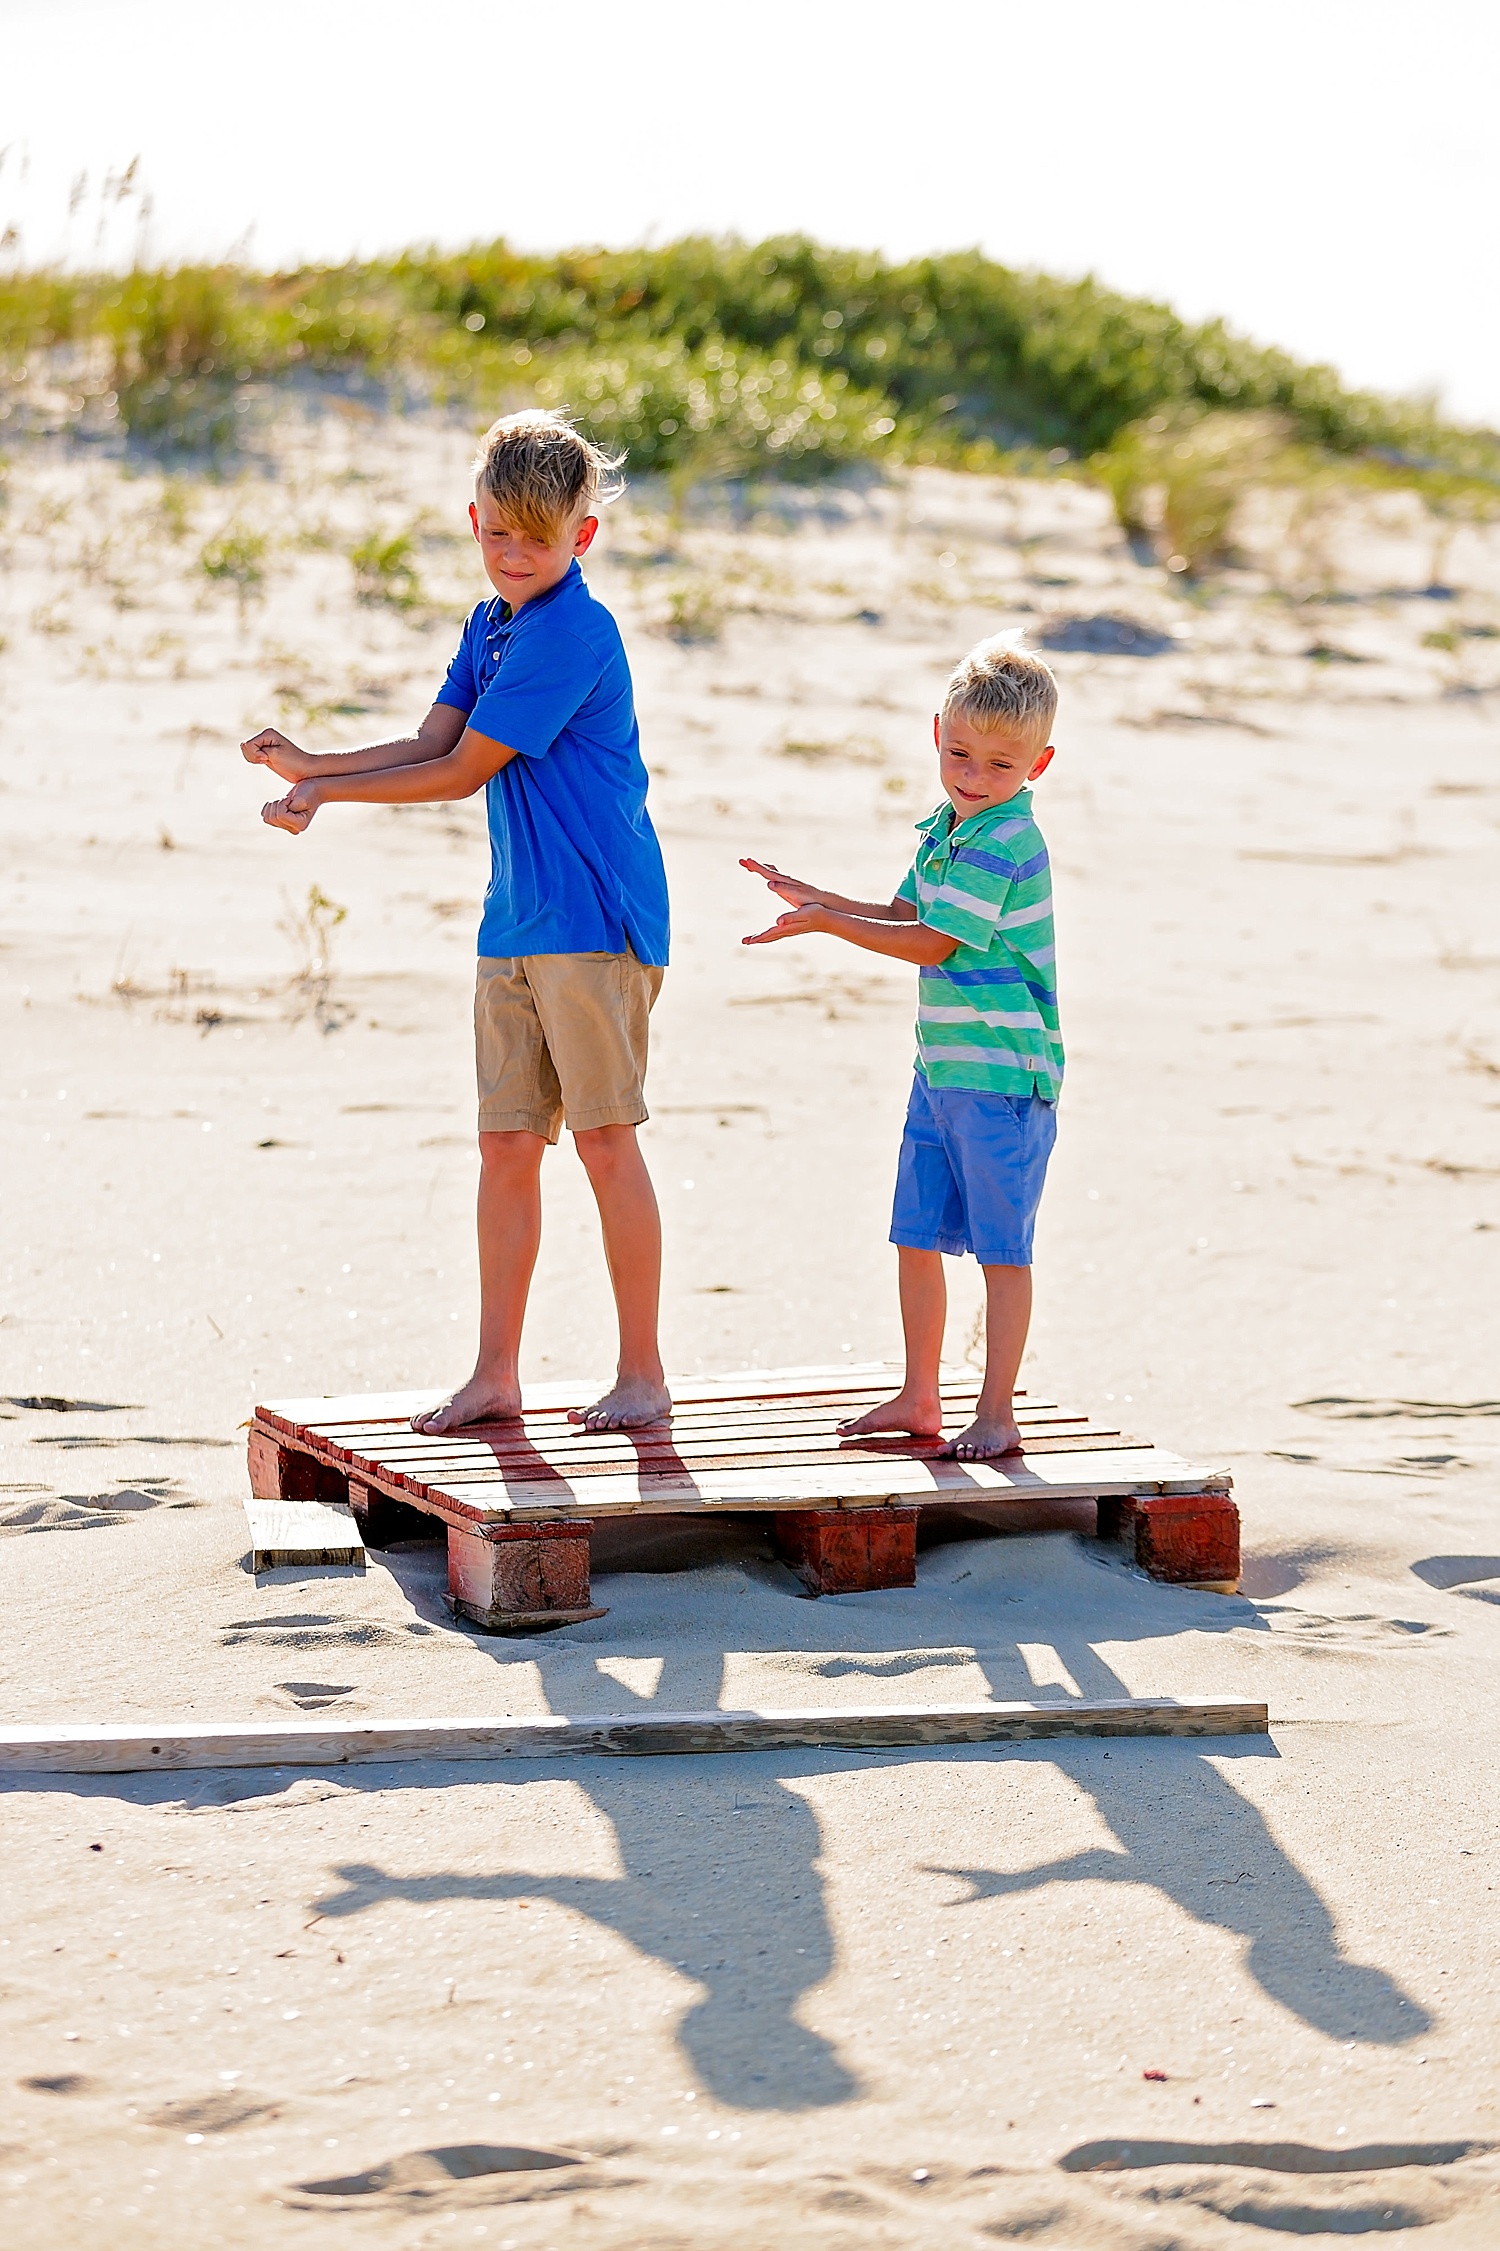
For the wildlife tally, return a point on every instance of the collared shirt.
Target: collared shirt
(575, 867)
(987, 1016)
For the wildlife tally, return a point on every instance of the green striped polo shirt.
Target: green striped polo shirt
(987, 1016)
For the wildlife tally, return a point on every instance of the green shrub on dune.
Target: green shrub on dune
(723, 358)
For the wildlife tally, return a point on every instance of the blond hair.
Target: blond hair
(542, 473)
(1000, 687)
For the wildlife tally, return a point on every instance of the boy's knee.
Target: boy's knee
(510, 1152)
(603, 1148)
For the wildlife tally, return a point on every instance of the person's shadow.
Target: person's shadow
(1186, 1831)
(719, 1855)
(718, 1882)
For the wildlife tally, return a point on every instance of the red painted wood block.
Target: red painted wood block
(521, 1574)
(285, 1473)
(1179, 1538)
(846, 1550)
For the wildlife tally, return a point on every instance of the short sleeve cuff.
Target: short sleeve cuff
(962, 923)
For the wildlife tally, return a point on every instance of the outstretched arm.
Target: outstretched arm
(906, 940)
(437, 780)
(799, 894)
(436, 736)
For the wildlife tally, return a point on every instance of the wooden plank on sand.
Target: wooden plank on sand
(301, 1532)
(132, 1749)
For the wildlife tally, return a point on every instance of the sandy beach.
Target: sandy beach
(1137, 1995)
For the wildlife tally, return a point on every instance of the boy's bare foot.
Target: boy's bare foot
(630, 1405)
(986, 1436)
(476, 1401)
(919, 1415)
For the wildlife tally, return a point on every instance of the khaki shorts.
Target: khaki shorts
(561, 1039)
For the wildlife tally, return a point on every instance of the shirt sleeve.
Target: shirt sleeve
(973, 899)
(542, 683)
(461, 688)
(907, 887)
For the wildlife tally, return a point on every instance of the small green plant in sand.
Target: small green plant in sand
(385, 570)
(849, 750)
(104, 559)
(173, 514)
(305, 697)
(1454, 504)
(237, 558)
(695, 610)
(310, 929)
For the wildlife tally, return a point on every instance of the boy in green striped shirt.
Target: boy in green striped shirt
(974, 912)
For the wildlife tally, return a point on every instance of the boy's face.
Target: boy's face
(981, 767)
(516, 565)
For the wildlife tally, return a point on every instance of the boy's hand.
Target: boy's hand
(271, 748)
(294, 811)
(802, 922)
(788, 887)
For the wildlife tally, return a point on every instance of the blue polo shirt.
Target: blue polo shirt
(575, 867)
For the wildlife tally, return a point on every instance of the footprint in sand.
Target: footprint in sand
(1379, 2188)
(47, 1403)
(1359, 1634)
(1335, 1407)
(308, 1630)
(314, 1695)
(1462, 1574)
(422, 2174)
(218, 2113)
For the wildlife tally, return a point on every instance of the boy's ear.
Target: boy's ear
(1041, 762)
(474, 518)
(937, 729)
(583, 538)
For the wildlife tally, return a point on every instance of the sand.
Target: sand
(930, 1995)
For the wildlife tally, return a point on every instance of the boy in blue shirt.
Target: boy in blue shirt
(537, 710)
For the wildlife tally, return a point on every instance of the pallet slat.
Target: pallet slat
(753, 1384)
(856, 1484)
(662, 1456)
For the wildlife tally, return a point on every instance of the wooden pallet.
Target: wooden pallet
(519, 1500)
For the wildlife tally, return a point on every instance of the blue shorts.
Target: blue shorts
(970, 1173)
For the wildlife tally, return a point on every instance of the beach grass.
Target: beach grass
(718, 360)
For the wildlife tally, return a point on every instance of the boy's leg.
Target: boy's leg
(1007, 1317)
(1000, 1148)
(631, 1225)
(595, 1010)
(917, 1407)
(927, 1218)
(510, 1233)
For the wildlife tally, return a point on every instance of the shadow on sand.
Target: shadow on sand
(720, 1856)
